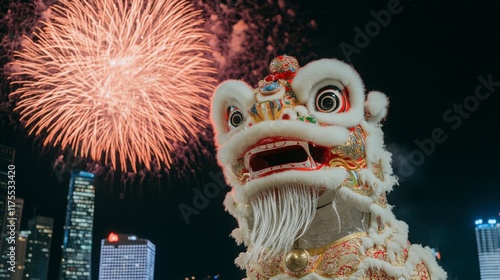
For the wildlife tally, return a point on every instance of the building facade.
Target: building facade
(488, 247)
(78, 228)
(126, 257)
(22, 242)
(36, 264)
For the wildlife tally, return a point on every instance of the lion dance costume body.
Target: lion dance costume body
(304, 155)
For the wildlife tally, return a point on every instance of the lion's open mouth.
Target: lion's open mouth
(279, 154)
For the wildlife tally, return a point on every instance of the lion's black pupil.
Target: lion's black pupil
(236, 120)
(329, 101)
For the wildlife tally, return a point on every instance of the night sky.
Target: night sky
(429, 58)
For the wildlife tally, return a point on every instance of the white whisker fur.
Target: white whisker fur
(281, 216)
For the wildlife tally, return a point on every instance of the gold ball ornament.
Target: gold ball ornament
(297, 259)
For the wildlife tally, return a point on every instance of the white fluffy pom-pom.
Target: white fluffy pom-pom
(376, 106)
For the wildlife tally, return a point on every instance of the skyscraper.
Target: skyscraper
(36, 263)
(77, 242)
(488, 247)
(22, 241)
(126, 257)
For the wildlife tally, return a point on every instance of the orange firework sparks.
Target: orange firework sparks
(120, 80)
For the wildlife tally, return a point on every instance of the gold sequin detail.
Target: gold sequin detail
(421, 272)
(354, 183)
(354, 147)
(381, 200)
(378, 171)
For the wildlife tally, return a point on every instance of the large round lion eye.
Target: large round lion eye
(332, 99)
(235, 117)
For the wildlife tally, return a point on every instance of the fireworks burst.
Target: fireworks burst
(119, 80)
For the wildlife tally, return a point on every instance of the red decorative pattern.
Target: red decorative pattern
(339, 260)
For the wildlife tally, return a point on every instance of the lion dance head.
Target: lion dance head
(304, 155)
